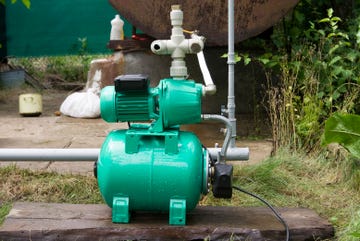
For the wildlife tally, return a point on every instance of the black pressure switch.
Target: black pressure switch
(132, 82)
(222, 181)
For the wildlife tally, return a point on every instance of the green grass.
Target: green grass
(324, 183)
(295, 180)
(69, 68)
(4, 210)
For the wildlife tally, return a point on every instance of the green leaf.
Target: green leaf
(247, 60)
(343, 129)
(334, 60)
(352, 55)
(320, 94)
(333, 49)
(237, 58)
(355, 234)
(264, 60)
(324, 20)
(330, 35)
(321, 32)
(299, 16)
(330, 12)
(2, 2)
(335, 95)
(337, 70)
(26, 3)
(337, 19)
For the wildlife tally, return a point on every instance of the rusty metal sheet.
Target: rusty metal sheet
(209, 16)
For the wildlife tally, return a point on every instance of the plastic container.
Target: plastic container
(30, 104)
(117, 28)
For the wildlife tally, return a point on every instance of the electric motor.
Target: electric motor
(172, 102)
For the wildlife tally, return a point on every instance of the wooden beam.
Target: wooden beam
(50, 221)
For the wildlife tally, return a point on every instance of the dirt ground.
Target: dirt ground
(52, 131)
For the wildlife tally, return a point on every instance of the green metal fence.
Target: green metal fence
(59, 27)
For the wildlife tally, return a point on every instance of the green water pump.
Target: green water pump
(152, 165)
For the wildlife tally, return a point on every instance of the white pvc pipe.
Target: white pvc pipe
(49, 154)
(209, 87)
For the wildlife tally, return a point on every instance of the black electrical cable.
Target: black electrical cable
(278, 216)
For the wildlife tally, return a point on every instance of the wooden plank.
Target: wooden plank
(50, 221)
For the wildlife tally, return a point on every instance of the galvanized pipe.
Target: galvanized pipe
(49, 154)
(222, 153)
(231, 66)
(226, 152)
(232, 153)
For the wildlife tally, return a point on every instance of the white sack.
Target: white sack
(81, 105)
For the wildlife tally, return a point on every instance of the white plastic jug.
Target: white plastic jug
(117, 31)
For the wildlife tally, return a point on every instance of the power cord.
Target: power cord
(278, 216)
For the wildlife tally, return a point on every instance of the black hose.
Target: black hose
(278, 216)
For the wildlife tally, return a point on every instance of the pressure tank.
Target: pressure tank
(150, 169)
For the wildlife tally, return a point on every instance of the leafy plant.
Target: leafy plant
(318, 74)
(343, 129)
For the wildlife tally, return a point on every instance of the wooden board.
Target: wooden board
(252, 17)
(50, 221)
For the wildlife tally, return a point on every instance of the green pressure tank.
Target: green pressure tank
(151, 175)
(152, 166)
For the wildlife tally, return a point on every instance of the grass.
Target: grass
(40, 186)
(287, 179)
(296, 180)
(69, 68)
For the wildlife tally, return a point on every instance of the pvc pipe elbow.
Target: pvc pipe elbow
(209, 90)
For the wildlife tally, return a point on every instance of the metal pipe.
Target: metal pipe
(226, 151)
(222, 154)
(231, 67)
(49, 154)
(232, 153)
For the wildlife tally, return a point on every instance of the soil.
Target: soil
(53, 130)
